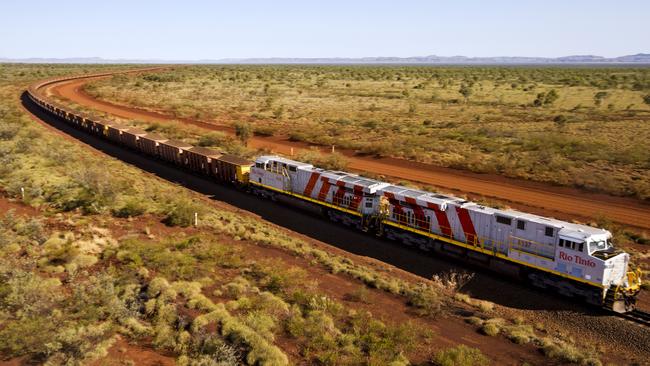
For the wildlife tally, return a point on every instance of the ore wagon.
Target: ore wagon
(114, 132)
(173, 151)
(149, 143)
(199, 159)
(131, 136)
(231, 169)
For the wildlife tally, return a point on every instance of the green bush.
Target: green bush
(490, 329)
(361, 295)
(213, 139)
(460, 355)
(425, 300)
(181, 213)
(265, 131)
(131, 208)
(568, 353)
(520, 333)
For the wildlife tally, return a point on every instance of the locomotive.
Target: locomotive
(572, 259)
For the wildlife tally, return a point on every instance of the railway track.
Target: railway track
(637, 316)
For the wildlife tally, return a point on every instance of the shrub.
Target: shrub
(324, 303)
(59, 249)
(84, 260)
(260, 350)
(519, 333)
(566, 352)
(331, 161)
(181, 213)
(298, 136)
(463, 298)
(452, 281)
(243, 131)
(560, 120)
(361, 295)
(210, 350)
(317, 329)
(135, 328)
(490, 328)
(157, 286)
(262, 323)
(426, 300)
(27, 336)
(370, 124)
(237, 287)
(646, 99)
(264, 131)
(460, 355)
(270, 304)
(131, 208)
(485, 306)
(212, 139)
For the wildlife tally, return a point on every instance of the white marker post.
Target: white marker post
(196, 219)
(332, 149)
(22, 192)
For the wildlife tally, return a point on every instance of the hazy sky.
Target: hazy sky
(194, 29)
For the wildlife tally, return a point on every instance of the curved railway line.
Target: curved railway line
(564, 203)
(486, 285)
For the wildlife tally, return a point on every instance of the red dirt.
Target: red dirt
(16, 206)
(121, 352)
(566, 203)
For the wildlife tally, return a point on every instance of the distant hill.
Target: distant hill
(639, 58)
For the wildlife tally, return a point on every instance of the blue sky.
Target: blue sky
(195, 29)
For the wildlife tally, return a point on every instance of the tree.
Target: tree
(551, 97)
(243, 132)
(646, 99)
(560, 120)
(546, 98)
(465, 91)
(599, 97)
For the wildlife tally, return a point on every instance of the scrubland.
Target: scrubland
(101, 263)
(571, 126)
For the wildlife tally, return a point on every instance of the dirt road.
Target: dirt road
(560, 202)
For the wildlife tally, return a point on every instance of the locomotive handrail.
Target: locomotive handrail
(477, 241)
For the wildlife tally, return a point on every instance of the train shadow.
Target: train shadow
(485, 285)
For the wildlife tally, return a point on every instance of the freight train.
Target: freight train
(571, 259)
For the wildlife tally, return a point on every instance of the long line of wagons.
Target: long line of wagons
(572, 259)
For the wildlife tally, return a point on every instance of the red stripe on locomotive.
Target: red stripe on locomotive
(311, 184)
(339, 194)
(356, 199)
(324, 189)
(468, 226)
(420, 218)
(443, 220)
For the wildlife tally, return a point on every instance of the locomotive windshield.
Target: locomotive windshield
(598, 245)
